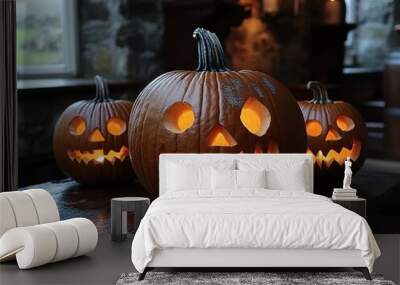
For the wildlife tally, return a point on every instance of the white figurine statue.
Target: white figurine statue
(347, 174)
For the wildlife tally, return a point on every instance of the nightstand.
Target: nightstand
(357, 205)
(119, 208)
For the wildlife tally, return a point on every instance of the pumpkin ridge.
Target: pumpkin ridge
(112, 111)
(202, 103)
(171, 78)
(136, 131)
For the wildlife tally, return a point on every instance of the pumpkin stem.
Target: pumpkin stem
(319, 92)
(210, 53)
(102, 94)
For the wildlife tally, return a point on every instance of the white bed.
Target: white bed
(249, 227)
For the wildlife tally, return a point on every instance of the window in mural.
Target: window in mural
(46, 37)
(368, 43)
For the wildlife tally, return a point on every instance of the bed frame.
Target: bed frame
(250, 258)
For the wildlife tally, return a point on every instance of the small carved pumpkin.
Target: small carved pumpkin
(90, 140)
(335, 131)
(211, 109)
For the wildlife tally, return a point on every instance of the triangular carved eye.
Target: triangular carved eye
(332, 135)
(96, 136)
(255, 117)
(219, 136)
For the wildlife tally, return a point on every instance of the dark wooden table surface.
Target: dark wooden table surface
(75, 200)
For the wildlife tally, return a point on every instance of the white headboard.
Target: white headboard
(210, 157)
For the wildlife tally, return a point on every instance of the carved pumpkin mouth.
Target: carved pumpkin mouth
(327, 159)
(272, 147)
(97, 156)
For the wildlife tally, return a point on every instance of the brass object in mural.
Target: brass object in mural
(252, 46)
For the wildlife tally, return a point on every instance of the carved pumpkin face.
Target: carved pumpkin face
(335, 131)
(90, 139)
(212, 109)
(253, 134)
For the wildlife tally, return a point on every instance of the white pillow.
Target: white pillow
(251, 179)
(181, 177)
(193, 174)
(280, 174)
(225, 179)
(291, 179)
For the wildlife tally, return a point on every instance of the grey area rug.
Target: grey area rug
(269, 278)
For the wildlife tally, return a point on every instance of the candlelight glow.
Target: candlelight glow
(96, 136)
(313, 128)
(255, 117)
(77, 126)
(333, 135)
(97, 156)
(219, 136)
(321, 159)
(116, 126)
(178, 117)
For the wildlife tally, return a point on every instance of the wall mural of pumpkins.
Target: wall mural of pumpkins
(335, 131)
(90, 139)
(211, 109)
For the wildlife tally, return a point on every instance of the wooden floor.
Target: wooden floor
(103, 266)
(110, 259)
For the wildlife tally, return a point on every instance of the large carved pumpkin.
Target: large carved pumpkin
(211, 109)
(335, 131)
(90, 140)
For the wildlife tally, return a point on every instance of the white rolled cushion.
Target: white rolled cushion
(7, 219)
(40, 244)
(23, 208)
(87, 235)
(67, 240)
(32, 246)
(251, 178)
(26, 208)
(45, 205)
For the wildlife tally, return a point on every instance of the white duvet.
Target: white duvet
(250, 219)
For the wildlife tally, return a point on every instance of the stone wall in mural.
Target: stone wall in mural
(120, 39)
